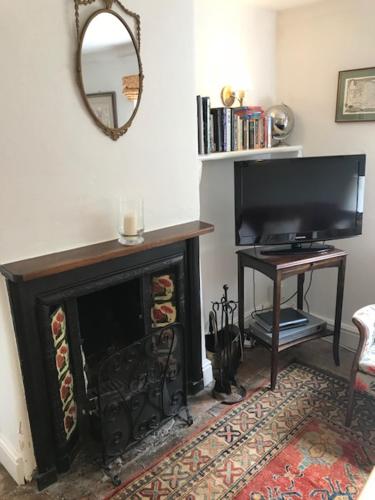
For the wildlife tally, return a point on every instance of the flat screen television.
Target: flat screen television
(297, 200)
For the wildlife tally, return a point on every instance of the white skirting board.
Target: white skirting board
(349, 335)
(207, 372)
(12, 461)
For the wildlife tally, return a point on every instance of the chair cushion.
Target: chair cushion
(365, 383)
(366, 316)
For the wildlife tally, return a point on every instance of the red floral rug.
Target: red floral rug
(287, 444)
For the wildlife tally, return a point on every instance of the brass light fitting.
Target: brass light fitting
(229, 96)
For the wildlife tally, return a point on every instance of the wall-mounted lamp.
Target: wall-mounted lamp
(228, 96)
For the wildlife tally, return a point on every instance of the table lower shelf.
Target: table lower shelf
(285, 345)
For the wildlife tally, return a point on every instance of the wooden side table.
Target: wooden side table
(283, 266)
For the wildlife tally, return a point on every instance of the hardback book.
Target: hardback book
(228, 129)
(239, 133)
(261, 132)
(251, 133)
(200, 125)
(268, 129)
(217, 119)
(212, 139)
(206, 124)
(234, 119)
(245, 124)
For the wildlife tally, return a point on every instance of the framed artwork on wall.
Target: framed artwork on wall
(103, 104)
(356, 95)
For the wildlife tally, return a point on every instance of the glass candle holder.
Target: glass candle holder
(130, 221)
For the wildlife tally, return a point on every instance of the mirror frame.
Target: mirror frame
(113, 133)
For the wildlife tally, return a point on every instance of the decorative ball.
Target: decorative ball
(282, 121)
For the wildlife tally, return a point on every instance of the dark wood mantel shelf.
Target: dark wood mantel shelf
(47, 265)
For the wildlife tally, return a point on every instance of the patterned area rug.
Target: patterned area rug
(281, 445)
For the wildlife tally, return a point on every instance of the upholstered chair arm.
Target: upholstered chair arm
(364, 319)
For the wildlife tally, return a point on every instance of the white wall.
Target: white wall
(61, 176)
(314, 43)
(234, 45)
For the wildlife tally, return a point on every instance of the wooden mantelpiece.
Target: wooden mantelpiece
(47, 265)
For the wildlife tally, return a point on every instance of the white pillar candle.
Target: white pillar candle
(130, 224)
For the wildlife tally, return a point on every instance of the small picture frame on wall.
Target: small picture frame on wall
(356, 95)
(103, 105)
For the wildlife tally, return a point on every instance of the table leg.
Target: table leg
(241, 294)
(300, 283)
(275, 330)
(338, 311)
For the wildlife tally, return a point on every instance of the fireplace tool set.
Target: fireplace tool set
(225, 349)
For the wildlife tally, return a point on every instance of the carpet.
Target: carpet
(287, 444)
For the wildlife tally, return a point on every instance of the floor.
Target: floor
(86, 481)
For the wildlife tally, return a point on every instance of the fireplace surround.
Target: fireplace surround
(108, 337)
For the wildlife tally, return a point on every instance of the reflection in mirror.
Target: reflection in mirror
(110, 69)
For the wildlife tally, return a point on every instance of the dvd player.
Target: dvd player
(313, 326)
(289, 318)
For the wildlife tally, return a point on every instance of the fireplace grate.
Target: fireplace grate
(139, 387)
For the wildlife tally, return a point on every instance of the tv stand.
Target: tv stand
(297, 249)
(279, 268)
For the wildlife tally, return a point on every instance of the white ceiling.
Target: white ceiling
(282, 4)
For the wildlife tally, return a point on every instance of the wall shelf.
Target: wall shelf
(249, 153)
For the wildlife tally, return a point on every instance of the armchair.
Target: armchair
(362, 376)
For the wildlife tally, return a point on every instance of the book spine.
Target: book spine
(206, 124)
(225, 131)
(261, 132)
(228, 113)
(239, 133)
(214, 129)
(245, 123)
(269, 132)
(234, 132)
(221, 129)
(208, 114)
(212, 139)
(200, 125)
(256, 133)
(251, 133)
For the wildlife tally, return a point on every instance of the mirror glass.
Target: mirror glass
(110, 69)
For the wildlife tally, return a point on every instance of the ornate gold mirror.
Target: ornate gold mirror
(109, 67)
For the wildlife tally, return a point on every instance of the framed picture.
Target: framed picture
(356, 95)
(103, 106)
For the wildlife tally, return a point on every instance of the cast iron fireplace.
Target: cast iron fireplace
(109, 339)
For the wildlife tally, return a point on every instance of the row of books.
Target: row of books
(231, 129)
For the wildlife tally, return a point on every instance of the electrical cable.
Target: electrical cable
(252, 314)
(307, 291)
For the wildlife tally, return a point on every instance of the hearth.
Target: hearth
(109, 339)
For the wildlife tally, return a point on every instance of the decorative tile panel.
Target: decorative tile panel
(163, 310)
(65, 377)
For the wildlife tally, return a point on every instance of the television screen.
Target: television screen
(297, 200)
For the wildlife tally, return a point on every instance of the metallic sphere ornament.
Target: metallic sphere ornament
(282, 121)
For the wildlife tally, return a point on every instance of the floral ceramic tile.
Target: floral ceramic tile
(58, 325)
(162, 287)
(163, 314)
